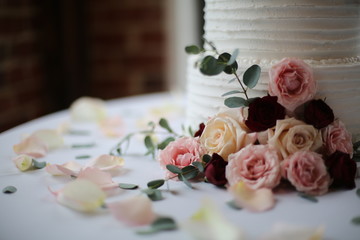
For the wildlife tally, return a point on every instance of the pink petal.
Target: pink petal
(31, 146)
(254, 200)
(135, 211)
(70, 169)
(112, 127)
(100, 178)
(107, 162)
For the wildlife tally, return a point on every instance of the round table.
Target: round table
(33, 213)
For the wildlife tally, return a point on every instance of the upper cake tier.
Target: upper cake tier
(266, 30)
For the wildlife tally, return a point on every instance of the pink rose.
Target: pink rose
(307, 172)
(181, 153)
(292, 81)
(256, 165)
(337, 138)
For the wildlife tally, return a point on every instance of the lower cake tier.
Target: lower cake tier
(338, 82)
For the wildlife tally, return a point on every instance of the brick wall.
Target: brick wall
(54, 51)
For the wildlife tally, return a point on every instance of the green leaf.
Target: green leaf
(358, 192)
(251, 76)
(235, 102)
(308, 197)
(38, 165)
(9, 189)
(160, 224)
(356, 220)
(225, 58)
(78, 132)
(199, 166)
(192, 49)
(191, 132)
(153, 194)
(149, 144)
(231, 92)
(234, 55)
(173, 169)
(164, 124)
(206, 158)
(189, 172)
(210, 66)
(128, 186)
(87, 145)
(166, 142)
(233, 205)
(182, 178)
(156, 183)
(84, 156)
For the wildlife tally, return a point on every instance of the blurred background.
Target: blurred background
(55, 51)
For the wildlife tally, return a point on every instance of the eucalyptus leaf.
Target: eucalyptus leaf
(9, 189)
(199, 166)
(153, 194)
(356, 220)
(173, 169)
(224, 58)
(83, 156)
(164, 223)
(128, 186)
(206, 158)
(251, 76)
(233, 205)
(166, 142)
(149, 144)
(187, 183)
(192, 49)
(164, 124)
(190, 172)
(234, 55)
(156, 183)
(358, 192)
(86, 145)
(308, 197)
(38, 165)
(235, 102)
(231, 92)
(210, 66)
(191, 132)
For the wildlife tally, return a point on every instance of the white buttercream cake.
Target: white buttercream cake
(325, 34)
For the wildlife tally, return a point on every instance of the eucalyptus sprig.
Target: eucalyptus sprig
(120, 149)
(213, 65)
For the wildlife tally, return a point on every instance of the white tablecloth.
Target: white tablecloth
(32, 212)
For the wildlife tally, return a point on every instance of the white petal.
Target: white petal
(51, 138)
(285, 232)
(88, 109)
(107, 162)
(135, 211)
(81, 195)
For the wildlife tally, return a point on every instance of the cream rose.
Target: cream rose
(23, 162)
(291, 135)
(226, 133)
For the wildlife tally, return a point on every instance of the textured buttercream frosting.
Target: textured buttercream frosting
(325, 34)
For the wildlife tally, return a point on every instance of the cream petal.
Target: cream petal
(81, 195)
(100, 178)
(23, 162)
(112, 127)
(286, 231)
(107, 162)
(31, 146)
(50, 137)
(254, 200)
(209, 224)
(134, 211)
(88, 109)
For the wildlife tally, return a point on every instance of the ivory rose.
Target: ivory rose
(307, 172)
(291, 135)
(256, 165)
(337, 138)
(292, 81)
(181, 152)
(23, 162)
(226, 133)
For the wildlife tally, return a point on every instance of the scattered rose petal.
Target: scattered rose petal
(107, 162)
(81, 195)
(51, 138)
(135, 211)
(112, 127)
(70, 168)
(23, 162)
(286, 232)
(254, 200)
(100, 178)
(88, 109)
(31, 146)
(209, 224)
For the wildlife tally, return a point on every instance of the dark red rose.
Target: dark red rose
(342, 169)
(215, 170)
(263, 113)
(318, 114)
(200, 131)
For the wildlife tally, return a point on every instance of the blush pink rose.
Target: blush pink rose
(292, 81)
(256, 165)
(181, 153)
(337, 138)
(307, 172)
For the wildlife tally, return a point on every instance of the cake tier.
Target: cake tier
(338, 82)
(308, 29)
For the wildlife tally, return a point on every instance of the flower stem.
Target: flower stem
(242, 86)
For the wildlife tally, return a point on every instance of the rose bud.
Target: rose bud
(215, 170)
(200, 131)
(342, 169)
(263, 113)
(318, 114)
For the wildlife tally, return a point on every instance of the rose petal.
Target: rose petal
(209, 224)
(254, 200)
(51, 138)
(107, 162)
(285, 232)
(100, 178)
(88, 109)
(112, 127)
(31, 146)
(70, 168)
(135, 211)
(81, 195)
(23, 162)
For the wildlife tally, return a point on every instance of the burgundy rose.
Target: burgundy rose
(342, 169)
(200, 131)
(263, 113)
(215, 170)
(318, 114)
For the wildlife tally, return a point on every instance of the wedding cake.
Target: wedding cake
(325, 34)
